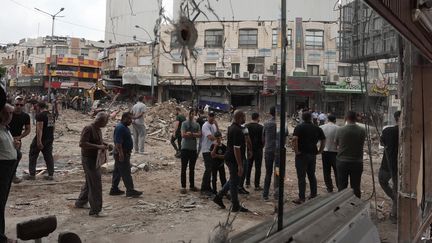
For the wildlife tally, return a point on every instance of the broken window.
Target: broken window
(256, 64)
(235, 68)
(178, 68)
(313, 70)
(248, 38)
(314, 39)
(209, 68)
(213, 38)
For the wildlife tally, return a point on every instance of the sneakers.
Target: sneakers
(298, 201)
(16, 180)
(84, 206)
(243, 191)
(29, 177)
(240, 209)
(183, 191)
(133, 193)
(49, 178)
(218, 200)
(116, 192)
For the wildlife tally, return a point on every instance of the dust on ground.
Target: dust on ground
(162, 214)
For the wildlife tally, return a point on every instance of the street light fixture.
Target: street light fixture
(53, 16)
(153, 45)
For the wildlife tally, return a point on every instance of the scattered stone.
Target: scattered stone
(107, 167)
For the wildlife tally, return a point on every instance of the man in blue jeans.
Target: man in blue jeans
(269, 139)
(234, 160)
(122, 153)
(305, 139)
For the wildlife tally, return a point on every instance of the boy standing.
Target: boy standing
(218, 150)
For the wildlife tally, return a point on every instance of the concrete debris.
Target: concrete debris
(107, 167)
(134, 170)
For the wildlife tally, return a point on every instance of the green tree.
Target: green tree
(2, 72)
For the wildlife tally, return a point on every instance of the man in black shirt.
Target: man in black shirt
(234, 160)
(389, 164)
(42, 142)
(20, 120)
(255, 134)
(305, 138)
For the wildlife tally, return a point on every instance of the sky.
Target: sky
(82, 18)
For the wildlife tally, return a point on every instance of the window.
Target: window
(373, 73)
(61, 50)
(213, 38)
(235, 68)
(256, 64)
(209, 68)
(313, 70)
(289, 37)
(84, 52)
(248, 38)
(315, 39)
(275, 38)
(40, 68)
(178, 68)
(40, 50)
(174, 42)
(345, 71)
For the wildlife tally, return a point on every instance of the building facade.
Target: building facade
(235, 59)
(74, 63)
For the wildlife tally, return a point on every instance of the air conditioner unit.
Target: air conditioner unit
(334, 78)
(245, 75)
(261, 77)
(236, 76)
(228, 74)
(220, 74)
(254, 77)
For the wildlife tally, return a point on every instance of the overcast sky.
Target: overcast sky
(83, 18)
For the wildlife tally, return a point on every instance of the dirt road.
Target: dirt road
(162, 214)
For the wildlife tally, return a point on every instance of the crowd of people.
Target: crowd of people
(198, 133)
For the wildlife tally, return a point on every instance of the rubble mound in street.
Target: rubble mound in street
(159, 118)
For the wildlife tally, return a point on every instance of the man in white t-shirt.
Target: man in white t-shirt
(139, 129)
(208, 130)
(330, 151)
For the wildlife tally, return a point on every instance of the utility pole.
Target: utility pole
(53, 16)
(282, 118)
(153, 46)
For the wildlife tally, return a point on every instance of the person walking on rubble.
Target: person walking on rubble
(234, 160)
(122, 155)
(42, 142)
(92, 145)
(139, 129)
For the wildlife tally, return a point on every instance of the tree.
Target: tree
(2, 72)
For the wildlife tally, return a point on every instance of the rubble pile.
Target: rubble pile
(159, 118)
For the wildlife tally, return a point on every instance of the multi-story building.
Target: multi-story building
(234, 58)
(129, 65)
(74, 63)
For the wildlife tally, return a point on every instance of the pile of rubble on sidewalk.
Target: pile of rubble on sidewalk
(158, 118)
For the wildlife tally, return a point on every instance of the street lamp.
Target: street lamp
(53, 16)
(153, 45)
